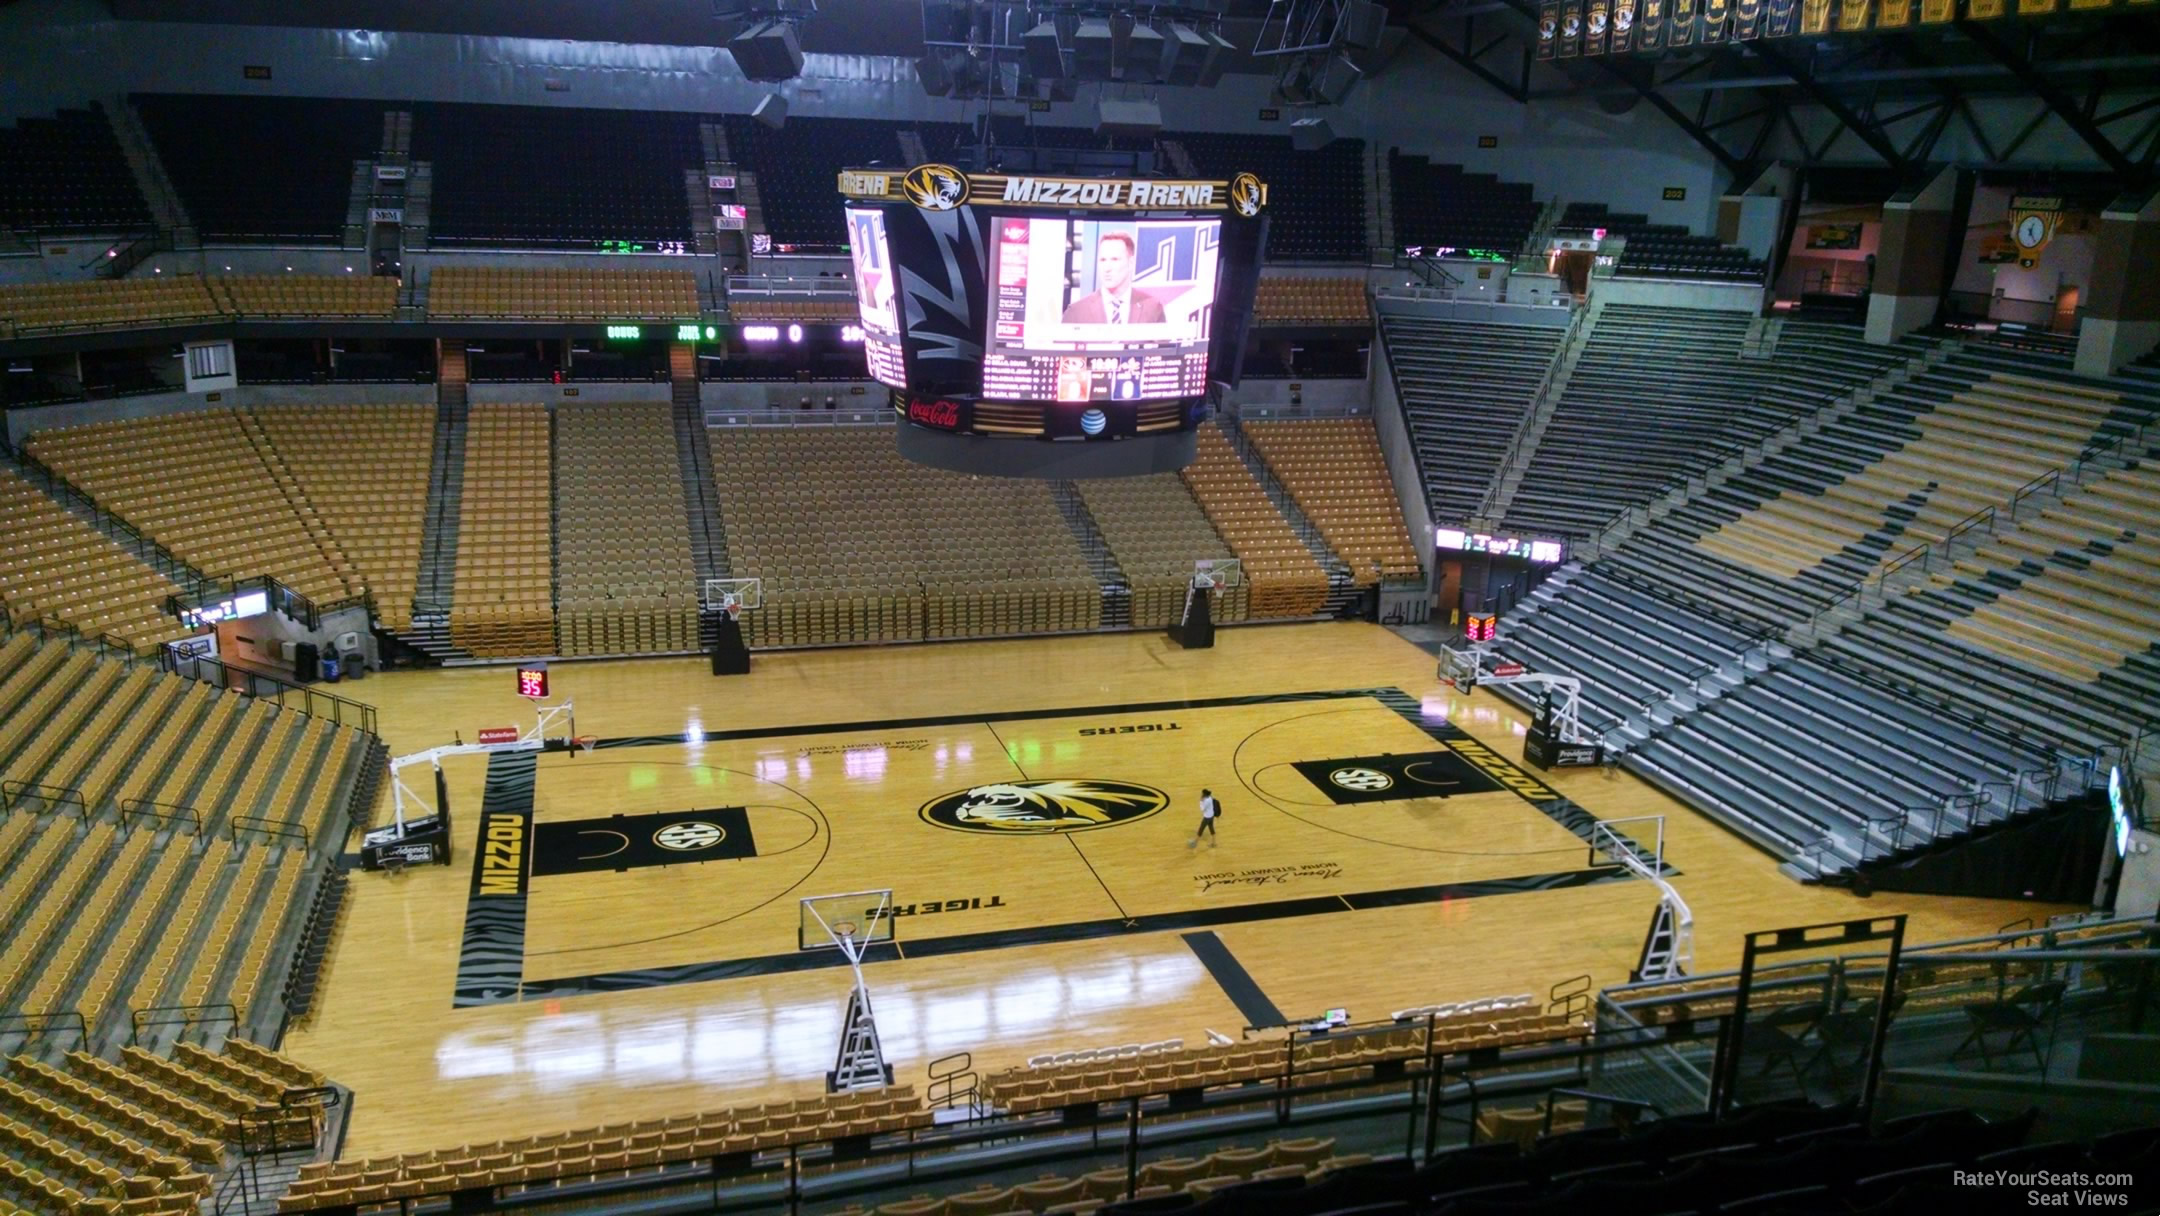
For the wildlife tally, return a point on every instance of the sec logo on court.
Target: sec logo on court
(1364, 780)
(1042, 807)
(687, 835)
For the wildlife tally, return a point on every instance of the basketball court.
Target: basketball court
(621, 932)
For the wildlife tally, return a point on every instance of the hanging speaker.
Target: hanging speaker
(770, 51)
(1044, 53)
(772, 111)
(1311, 134)
(1091, 50)
(1362, 24)
(936, 78)
(1333, 80)
(1142, 61)
(1224, 54)
(1185, 53)
(1141, 119)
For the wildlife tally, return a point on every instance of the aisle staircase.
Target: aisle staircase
(1341, 587)
(434, 589)
(1116, 590)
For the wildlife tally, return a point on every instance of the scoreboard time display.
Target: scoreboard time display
(532, 680)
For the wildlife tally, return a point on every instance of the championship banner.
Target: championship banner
(2076, 5)
(1746, 20)
(1834, 236)
(1985, 10)
(1852, 16)
(1570, 28)
(1596, 25)
(1710, 21)
(2036, 8)
(1680, 23)
(1548, 28)
(944, 188)
(1893, 14)
(1938, 12)
(1623, 27)
(2033, 221)
(1650, 25)
(1785, 17)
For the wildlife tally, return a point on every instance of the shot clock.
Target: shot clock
(532, 680)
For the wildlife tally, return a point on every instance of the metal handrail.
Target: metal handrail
(341, 711)
(12, 792)
(268, 827)
(171, 812)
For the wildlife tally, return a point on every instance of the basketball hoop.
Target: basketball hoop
(585, 743)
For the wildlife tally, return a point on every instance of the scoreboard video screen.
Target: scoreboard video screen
(1097, 310)
(875, 283)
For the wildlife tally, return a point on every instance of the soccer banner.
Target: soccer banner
(1985, 10)
(1650, 24)
(1852, 16)
(1893, 14)
(1680, 22)
(1623, 26)
(1746, 20)
(1595, 27)
(1548, 28)
(1712, 17)
(1570, 28)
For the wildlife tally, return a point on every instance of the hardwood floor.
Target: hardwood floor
(667, 988)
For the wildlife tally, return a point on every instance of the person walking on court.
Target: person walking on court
(1210, 811)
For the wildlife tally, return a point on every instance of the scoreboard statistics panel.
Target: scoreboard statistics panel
(1088, 310)
(875, 283)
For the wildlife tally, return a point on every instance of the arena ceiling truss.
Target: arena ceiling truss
(1893, 101)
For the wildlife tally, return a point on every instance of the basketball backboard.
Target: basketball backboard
(861, 917)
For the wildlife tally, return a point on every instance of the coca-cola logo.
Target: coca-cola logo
(944, 414)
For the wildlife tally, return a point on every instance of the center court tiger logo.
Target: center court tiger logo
(1362, 779)
(1044, 807)
(935, 187)
(689, 835)
(1246, 194)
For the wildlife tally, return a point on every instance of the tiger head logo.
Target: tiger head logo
(1043, 807)
(935, 187)
(1247, 195)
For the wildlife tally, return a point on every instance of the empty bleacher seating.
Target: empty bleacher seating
(839, 310)
(364, 468)
(550, 177)
(1445, 205)
(55, 566)
(503, 603)
(796, 171)
(1296, 300)
(622, 1149)
(1285, 578)
(611, 294)
(66, 175)
(165, 299)
(1156, 532)
(306, 295)
(831, 518)
(1465, 387)
(1664, 250)
(628, 584)
(262, 169)
(1334, 470)
(198, 484)
(1316, 200)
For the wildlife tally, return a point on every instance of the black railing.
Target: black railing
(267, 827)
(14, 793)
(43, 1023)
(170, 812)
(313, 703)
(181, 1015)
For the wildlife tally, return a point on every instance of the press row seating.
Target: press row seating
(1156, 531)
(1336, 473)
(503, 602)
(1285, 579)
(624, 1148)
(627, 583)
(197, 483)
(55, 566)
(364, 468)
(597, 295)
